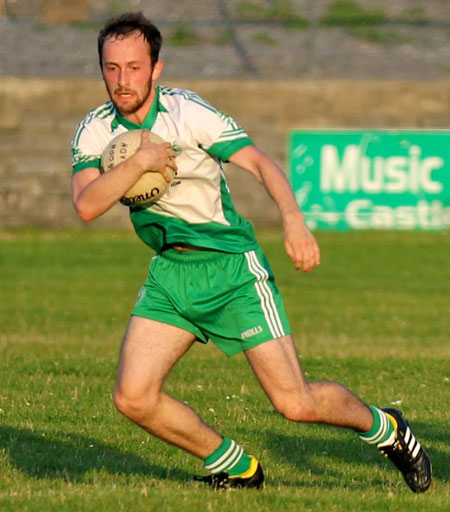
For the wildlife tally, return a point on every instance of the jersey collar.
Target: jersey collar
(149, 120)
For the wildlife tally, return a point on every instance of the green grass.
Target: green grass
(278, 10)
(383, 36)
(264, 38)
(373, 316)
(224, 37)
(183, 35)
(414, 16)
(343, 13)
(364, 23)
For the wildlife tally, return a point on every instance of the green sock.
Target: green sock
(229, 457)
(382, 429)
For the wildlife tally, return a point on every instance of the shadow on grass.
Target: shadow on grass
(70, 457)
(302, 452)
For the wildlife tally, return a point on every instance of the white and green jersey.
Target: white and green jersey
(197, 209)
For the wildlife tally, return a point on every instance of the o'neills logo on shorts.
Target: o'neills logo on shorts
(251, 332)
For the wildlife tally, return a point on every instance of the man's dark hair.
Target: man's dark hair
(126, 24)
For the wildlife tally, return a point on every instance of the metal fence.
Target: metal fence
(269, 39)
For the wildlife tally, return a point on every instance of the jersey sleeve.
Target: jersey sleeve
(86, 148)
(215, 132)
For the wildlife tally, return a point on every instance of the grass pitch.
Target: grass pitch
(374, 316)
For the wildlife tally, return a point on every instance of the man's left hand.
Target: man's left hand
(301, 246)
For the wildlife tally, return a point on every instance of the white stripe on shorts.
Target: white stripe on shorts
(265, 294)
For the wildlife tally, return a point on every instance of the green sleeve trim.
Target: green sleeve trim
(224, 150)
(84, 165)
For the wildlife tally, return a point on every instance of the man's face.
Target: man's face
(129, 74)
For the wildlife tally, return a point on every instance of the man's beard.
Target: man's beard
(130, 108)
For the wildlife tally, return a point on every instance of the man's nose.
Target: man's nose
(123, 77)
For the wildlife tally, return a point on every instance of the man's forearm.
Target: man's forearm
(94, 194)
(277, 185)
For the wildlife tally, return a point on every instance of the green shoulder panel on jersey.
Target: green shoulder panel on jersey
(230, 140)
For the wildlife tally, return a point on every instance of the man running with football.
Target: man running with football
(209, 278)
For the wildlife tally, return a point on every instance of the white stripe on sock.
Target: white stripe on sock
(382, 430)
(225, 456)
(234, 457)
(236, 460)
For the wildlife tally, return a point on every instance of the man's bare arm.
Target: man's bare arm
(94, 193)
(300, 244)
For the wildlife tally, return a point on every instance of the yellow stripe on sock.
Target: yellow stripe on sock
(250, 471)
(392, 420)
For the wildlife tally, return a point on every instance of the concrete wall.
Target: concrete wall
(38, 117)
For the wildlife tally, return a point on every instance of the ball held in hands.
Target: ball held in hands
(152, 185)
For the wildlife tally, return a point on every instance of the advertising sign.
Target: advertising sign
(372, 179)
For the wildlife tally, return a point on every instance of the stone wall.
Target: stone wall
(38, 117)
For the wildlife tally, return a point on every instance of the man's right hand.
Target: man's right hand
(152, 156)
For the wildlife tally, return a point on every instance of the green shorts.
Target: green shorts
(229, 298)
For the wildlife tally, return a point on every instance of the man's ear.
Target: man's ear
(157, 69)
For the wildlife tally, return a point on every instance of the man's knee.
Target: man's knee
(297, 408)
(136, 407)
